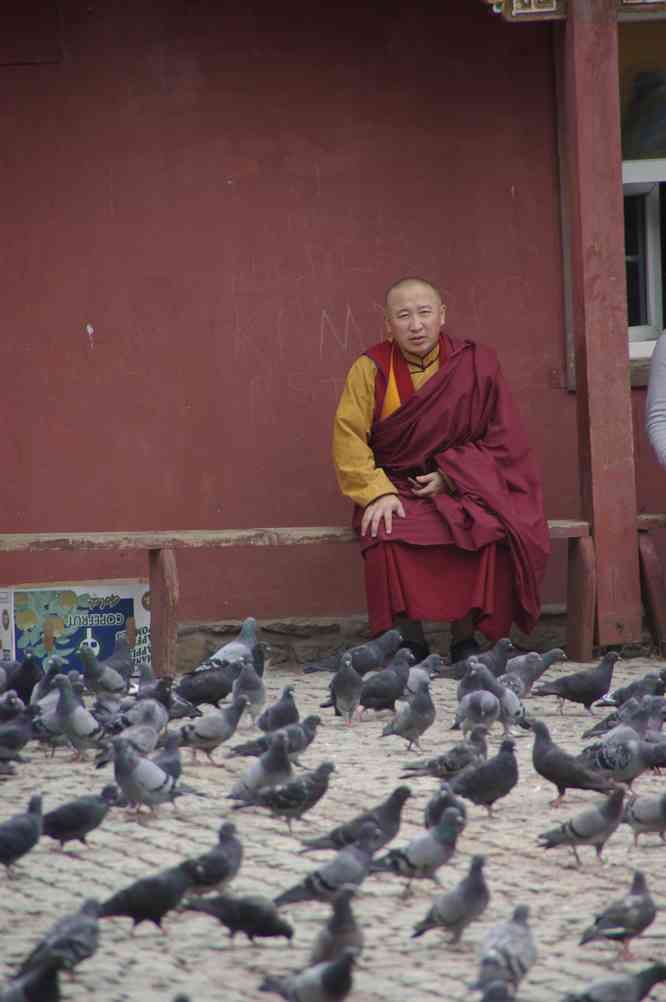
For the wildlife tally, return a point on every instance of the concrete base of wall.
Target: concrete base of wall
(299, 640)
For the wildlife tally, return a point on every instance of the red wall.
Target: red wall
(224, 197)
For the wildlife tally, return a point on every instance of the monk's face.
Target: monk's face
(414, 316)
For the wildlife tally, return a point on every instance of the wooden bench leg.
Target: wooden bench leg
(652, 587)
(163, 609)
(581, 598)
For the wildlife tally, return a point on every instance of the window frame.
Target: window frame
(643, 177)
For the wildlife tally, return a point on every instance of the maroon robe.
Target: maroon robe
(485, 547)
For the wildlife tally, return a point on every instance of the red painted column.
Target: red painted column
(592, 162)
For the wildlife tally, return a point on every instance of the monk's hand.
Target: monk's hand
(428, 484)
(384, 507)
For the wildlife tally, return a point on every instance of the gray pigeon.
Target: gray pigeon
(273, 768)
(473, 751)
(253, 915)
(143, 781)
(422, 857)
(624, 758)
(413, 719)
(100, 679)
(646, 814)
(294, 798)
(237, 649)
(560, 768)
(621, 987)
(121, 659)
(68, 942)
(39, 985)
(350, 865)
(74, 820)
(10, 706)
(328, 982)
(299, 737)
(438, 803)
(649, 684)
(625, 918)
(75, 721)
(497, 657)
(529, 670)
(424, 671)
(487, 783)
(592, 826)
(151, 898)
(251, 685)
(476, 708)
(340, 932)
(508, 951)
(345, 688)
(208, 732)
(584, 687)
(168, 756)
(385, 816)
(454, 910)
(279, 714)
(365, 657)
(218, 867)
(20, 833)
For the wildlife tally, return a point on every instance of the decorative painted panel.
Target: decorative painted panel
(550, 10)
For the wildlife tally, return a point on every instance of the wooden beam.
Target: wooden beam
(592, 156)
(581, 599)
(164, 593)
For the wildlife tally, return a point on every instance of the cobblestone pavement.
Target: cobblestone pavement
(197, 957)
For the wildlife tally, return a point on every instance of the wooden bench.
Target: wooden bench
(163, 573)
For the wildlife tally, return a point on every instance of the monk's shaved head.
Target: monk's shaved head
(411, 280)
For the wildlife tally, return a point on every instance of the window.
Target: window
(645, 251)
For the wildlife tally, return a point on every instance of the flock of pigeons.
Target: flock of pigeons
(139, 726)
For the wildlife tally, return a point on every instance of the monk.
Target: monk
(428, 445)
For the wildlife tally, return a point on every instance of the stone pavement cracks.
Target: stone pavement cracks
(196, 956)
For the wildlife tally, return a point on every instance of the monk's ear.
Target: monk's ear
(443, 315)
(387, 327)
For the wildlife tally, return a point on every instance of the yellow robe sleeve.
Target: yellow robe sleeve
(358, 476)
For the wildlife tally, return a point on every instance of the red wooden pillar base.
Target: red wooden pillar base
(163, 610)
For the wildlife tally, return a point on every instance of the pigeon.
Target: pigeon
(478, 677)
(345, 688)
(454, 910)
(68, 942)
(273, 768)
(54, 666)
(365, 657)
(121, 659)
(646, 814)
(209, 686)
(15, 734)
(380, 691)
(20, 833)
(38, 985)
(150, 898)
(294, 798)
(477, 708)
(650, 684)
(235, 650)
(299, 737)
(584, 687)
(211, 730)
(24, 676)
(250, 684)
(560, 768)
(497, 657)
(253, 915)
(487, 783)
(75, 721)
(100, 678)
(280, 714)
(385, 816)
(470, 752)
(168, 756)
(350, 865)
(627, 713)
(413, 719)
(75, 820)
(591, 826)
(529, 669)
(621, 987)
(422, 857)
(625, 759)
(625, 918)
(328, 982)
(10, 706)
(142, 737)
(340, 932)
(154, 710)
(438, 803)
(218, 867)
(423, 671)
(508, 950)
(143, 781)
